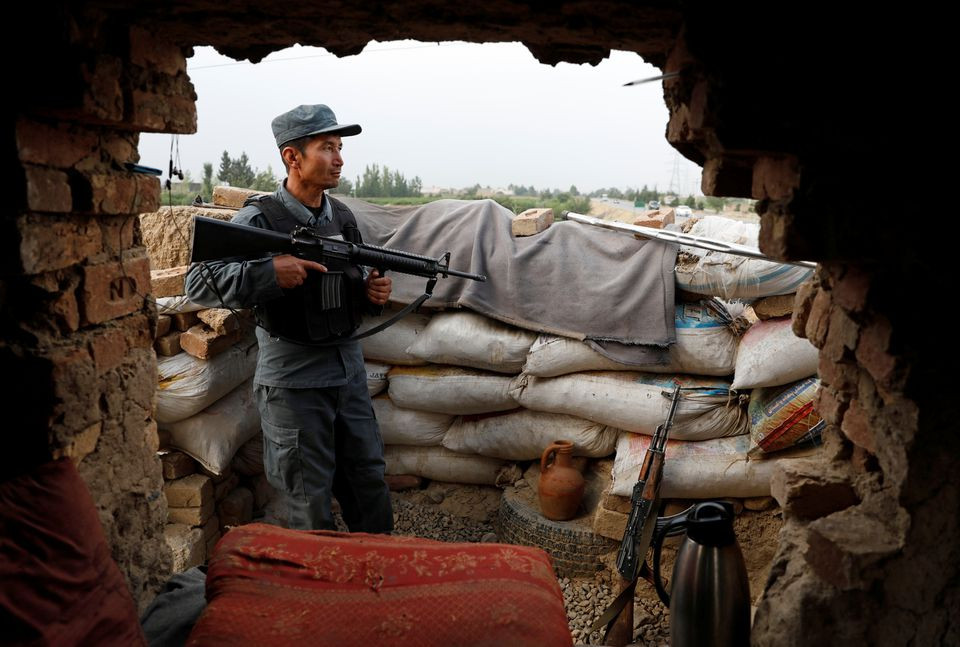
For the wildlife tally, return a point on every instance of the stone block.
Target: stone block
(169, 344)
(220, 320)
(236, 508)
(400, 482)
(176, 465)
(531, 221)
(168, 282)
(190, 491)
(656, 218)
(192, 516)
(163, 325)
(608, 523)
(183, 321)
(233, 197)
(203, 343)
(186, 545)
(809, 490)
(616, 503)
(48, 190)
(842, 548)
(775, 178)
(773, 307)
(167, 233)
(52, 243)
(225, 487)
(114, 289)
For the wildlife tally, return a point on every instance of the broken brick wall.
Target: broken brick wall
(74, 306)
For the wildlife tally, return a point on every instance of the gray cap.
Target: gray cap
(309, 120)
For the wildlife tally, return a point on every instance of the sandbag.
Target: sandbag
(400, 426)
(450, 389)
(780, 416)
(770, 354)
(441, 464)
(698, 470)
(523, 435)
(376, 377)
(731, 276)
(248, 461)
(638, 402)
(188, 385)
(706, 345)
(214, 435)
(390, 345)
(468, 339)
(176, 305)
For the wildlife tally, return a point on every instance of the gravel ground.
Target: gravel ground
(468, 513)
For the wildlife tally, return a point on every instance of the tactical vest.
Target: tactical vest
(328, 305)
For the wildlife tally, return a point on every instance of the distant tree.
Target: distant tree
(344, 188)
(690, 202)
(615, 193)
(236, 172)
(265, 180)
(225, 170)
(207, 189)
(573, 190)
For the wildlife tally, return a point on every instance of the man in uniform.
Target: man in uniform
(320, 435)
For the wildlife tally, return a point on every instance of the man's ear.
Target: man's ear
(290, 155)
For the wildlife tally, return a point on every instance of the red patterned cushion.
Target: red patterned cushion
(272, 586)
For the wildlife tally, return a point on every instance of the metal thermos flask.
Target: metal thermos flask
(709, 599)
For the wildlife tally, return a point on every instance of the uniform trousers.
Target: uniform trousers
(319, 442)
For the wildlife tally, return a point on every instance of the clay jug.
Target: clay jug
(561, 484)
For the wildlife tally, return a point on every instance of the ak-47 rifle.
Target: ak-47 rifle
(645, 505)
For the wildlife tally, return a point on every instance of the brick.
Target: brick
(842, 375)
(119, 147)
(81, 444)
(531, 221)
(850, 292)
(843, 546)
(48, 190)
(110, 345)
(615, 503)
(117, 233)
(164, 112)
(193, 516)
(841, 336)
(163, 325)
(819, 319)
(656, 218)
(236, 508)
(53, 145)
(225, 487)
(858, 428)
(169, 344)
(400, 482)
(122, 193)
(177, 465)
(186, 546)
(52, 243)
(183, 321)
(775, 178)
(203, 343)
(873, 350)
(233, 197)
(113, 289)
(220, 320)
(149, 51)
(803, 303)
(727, 175)
(102, 96)
(190, 491)
(168, 282)
(608, 523)
(830, 407)
(773, 307)
(759, 503)
(806, 490)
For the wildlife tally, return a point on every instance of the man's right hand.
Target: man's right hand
(292, 271)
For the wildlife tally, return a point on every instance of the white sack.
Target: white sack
(439, 464)
(706, 345)
(214, 435)
(408, 427)
(731, 276)
(701, 470)
(638, 402)
(177, 304)
(468, 339)
(523, 435)
(188, 385)
(390, 345)
(450, 389)
(376, 377)
(771, 354)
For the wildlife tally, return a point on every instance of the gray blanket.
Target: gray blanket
(570, 280)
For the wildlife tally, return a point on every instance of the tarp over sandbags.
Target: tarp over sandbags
(532, 280)
(400, 426)
(706, 345)
(730, 276)
(523, 435)
(450, 389)
(390, 345)
(469, 339)
(440, 464)
(214, 435)
(698, 470)
(638, 402)
(188, 385)
(770, 354)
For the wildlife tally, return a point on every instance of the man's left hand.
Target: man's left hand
(378, 288)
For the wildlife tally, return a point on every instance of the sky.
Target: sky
(455, 114)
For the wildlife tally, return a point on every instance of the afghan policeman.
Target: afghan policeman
(320, 435)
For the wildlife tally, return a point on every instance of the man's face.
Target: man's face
(320, 162)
